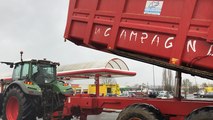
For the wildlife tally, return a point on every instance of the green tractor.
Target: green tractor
(34, 91)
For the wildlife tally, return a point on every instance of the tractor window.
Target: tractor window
(34, 69)
(25, 71)
(16, 72)
(42, 73)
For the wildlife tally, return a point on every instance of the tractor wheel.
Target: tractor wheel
(17, 106)
(205, 113)
(1, 100)
(139, 112)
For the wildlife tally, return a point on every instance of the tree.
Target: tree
(186, 85)
(108, 80)
(204, 85)
(193, 89)
(167, 80)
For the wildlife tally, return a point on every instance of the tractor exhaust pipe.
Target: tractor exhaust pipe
(21, 56)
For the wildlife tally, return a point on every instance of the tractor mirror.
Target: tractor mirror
(11, 66)
(8, 63)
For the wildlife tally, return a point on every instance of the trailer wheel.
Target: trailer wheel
(17, 106)
(67, 118)
(205, 113)
(140, 112)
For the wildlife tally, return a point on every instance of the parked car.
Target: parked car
(153, 94)
(111, 95)
(207, 95)
(163, 92)
(165, 96)
(200, 93)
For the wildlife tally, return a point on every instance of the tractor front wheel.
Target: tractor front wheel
(17, 106)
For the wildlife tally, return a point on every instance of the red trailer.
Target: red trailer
(168, 33)
(175, 34)
(82, 105)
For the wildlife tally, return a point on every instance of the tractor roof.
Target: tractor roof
(39, 62)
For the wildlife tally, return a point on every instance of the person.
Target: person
(37, 75)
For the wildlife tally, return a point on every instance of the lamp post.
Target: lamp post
(153, 68)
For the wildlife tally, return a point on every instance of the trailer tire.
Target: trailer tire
(205, 113)
(140, 112)
(17, 105)
(67, 118)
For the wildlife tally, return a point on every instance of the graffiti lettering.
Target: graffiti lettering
(210, 52)
(152, 39)
(106, 32)
(123, 33)
(143, 37)
(156, 37)
(191, 45)
(133, 34)
(97, 31)
(169, 44)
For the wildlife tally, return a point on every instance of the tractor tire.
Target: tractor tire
(139, 112)
(1, 101)
(205, 113)
(17, 105)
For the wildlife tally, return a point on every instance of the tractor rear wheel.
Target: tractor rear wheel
(205, 113)
(138, 112)
(1, 101)
(17, 105)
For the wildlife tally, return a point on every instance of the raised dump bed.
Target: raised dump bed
(176, 34)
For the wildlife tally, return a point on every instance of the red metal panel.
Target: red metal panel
(184, 24)
(166, 106)
(8, 79)
(178, 31)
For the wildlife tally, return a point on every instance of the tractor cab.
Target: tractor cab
(35, 71)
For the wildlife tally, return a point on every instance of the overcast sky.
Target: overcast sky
(37, 27)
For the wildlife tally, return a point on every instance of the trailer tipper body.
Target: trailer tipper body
(176, 34)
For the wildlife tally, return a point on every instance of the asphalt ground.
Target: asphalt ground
(102, 116)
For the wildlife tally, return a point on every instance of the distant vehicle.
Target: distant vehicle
(111, 95)
(165, 96)
(200, 93)
(207, 95)
(123, 95)
(132, 94)
(153, 94)
(195, 94)
(163, 92)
